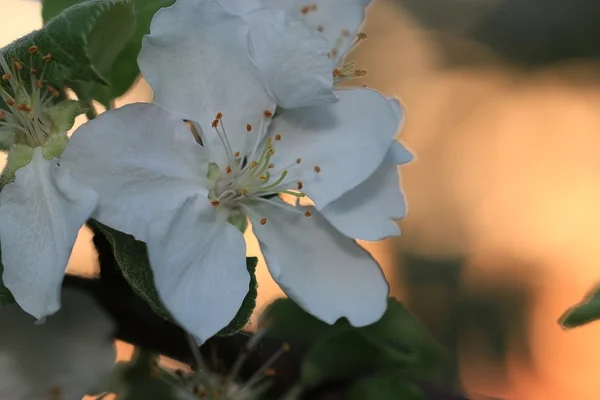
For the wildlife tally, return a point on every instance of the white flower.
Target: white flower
(181, 192)
(42, 211)
(337, 20)
(61, 359)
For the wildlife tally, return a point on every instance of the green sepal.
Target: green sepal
(132, 259)
(63, 114)
(583, 313)
(55, 145)
(19, 156)
(7, 138)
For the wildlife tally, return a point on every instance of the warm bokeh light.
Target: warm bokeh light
(507, 176)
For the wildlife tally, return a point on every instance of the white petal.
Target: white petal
(347, 140)
(199, 265)
(292, 59)
(337, 20)
(142, 161)
(196, 61)
(239, 7)
(367, 211)
(326, 273)
(69, 352)
(40, 216)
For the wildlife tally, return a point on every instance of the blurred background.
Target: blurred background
(503, 113)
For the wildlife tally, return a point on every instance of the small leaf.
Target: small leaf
(6, 296)
(388, 386)
(132, 258)
(583, 313)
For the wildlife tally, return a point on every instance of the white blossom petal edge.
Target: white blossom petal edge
(63, 358)
(40, 216)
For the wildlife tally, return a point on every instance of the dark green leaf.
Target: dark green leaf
(583, 313)
(287, 321)
(74, 38)
(108, 36)
(396, 342)
(388, 386)
(123, 69)
(132, 258)
(6, 296)
(245, 312)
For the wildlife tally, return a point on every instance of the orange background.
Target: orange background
(507, 175)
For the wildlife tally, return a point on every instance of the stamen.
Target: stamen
(18, 66)
(299, 185)
(278, 137)
(248, 128)
(215, 203)
(271, 166)
(10, 102)
(267, 114)
(263, 220)
(307, 213)
(32, 49)
(47, 58)
(317, 169)
(6, 76)
(298, 160)
(228, 170)
(236, 154)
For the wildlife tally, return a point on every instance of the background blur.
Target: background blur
(503, 106)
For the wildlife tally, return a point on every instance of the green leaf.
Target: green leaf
(106, 40)
(6, 296)
(287, 321)
(397, 342)
(389, 386)
(583, 313)
(123, 70)
(245, 312)
(132, 258)
(78, 40)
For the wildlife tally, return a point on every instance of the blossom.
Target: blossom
(42, 207)
(63, 358)
(185, 192)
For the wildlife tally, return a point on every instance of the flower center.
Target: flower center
(26, 101)
(251, 175)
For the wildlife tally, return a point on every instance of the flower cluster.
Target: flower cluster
(248, 123)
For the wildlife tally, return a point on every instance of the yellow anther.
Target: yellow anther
(236, 154)
(253, 164)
